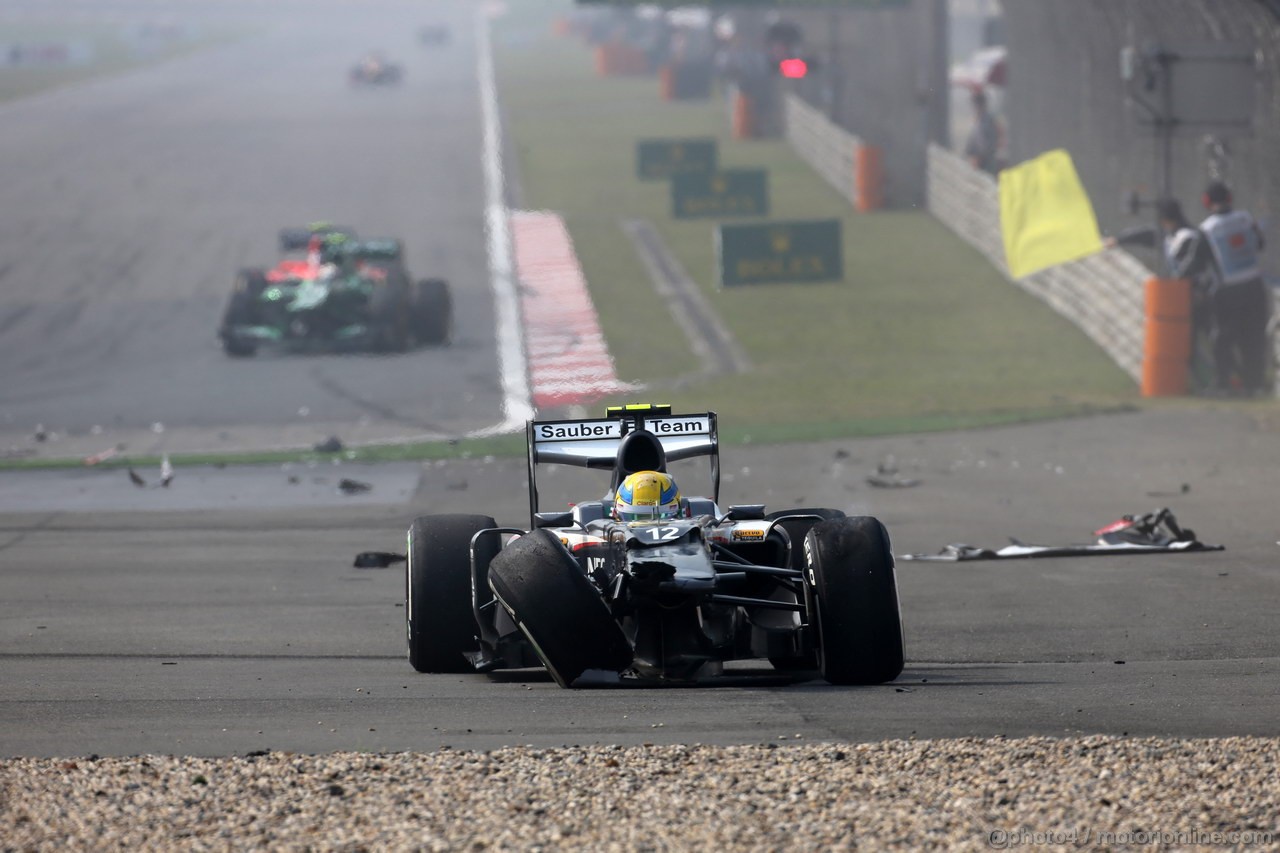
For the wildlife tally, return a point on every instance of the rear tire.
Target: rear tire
(853, 597)
(431, 307)
(387, 314)
(242, 310)
(557, 608)
(439, 619)
(239, 313)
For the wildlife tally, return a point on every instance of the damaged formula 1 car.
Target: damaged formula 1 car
(345, 294)
(595, 597)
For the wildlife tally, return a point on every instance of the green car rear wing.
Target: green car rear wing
(380, 249)
(297, 239)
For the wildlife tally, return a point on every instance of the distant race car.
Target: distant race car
(346, 293)
(434, 34)
(377, 71)
(594, 597)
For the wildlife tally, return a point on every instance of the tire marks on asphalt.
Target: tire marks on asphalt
(710, 340)
(14, 316)
(64, 317)
(21, 535)
(336, 389)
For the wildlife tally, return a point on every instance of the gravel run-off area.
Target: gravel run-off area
(965, 794)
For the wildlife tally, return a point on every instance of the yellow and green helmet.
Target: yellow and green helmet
(647, 496)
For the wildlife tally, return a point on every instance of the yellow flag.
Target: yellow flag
(1045, 215)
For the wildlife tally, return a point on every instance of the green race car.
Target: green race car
(345, 294)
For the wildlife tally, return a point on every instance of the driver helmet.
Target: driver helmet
(647, 496)
(333, 246)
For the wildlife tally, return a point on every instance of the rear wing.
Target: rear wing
(593, 442)
(377, 249)
(297, 239)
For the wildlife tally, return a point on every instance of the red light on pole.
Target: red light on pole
(794, 68)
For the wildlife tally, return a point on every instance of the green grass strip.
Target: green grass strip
(467, 448)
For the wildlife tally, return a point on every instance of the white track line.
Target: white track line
(517, 406)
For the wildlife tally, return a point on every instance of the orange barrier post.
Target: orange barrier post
(868, 176)
(615, 59)
(744, 120)
(561, 26)
(667, 82)
(1166, 345)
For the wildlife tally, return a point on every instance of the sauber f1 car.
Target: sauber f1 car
(597, 599)
(345, 293)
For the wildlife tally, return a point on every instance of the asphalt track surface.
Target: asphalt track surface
(189, 626)
(130, 201)
(222, 615)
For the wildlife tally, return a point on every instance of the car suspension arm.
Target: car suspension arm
(740, 601)
(734, 563)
